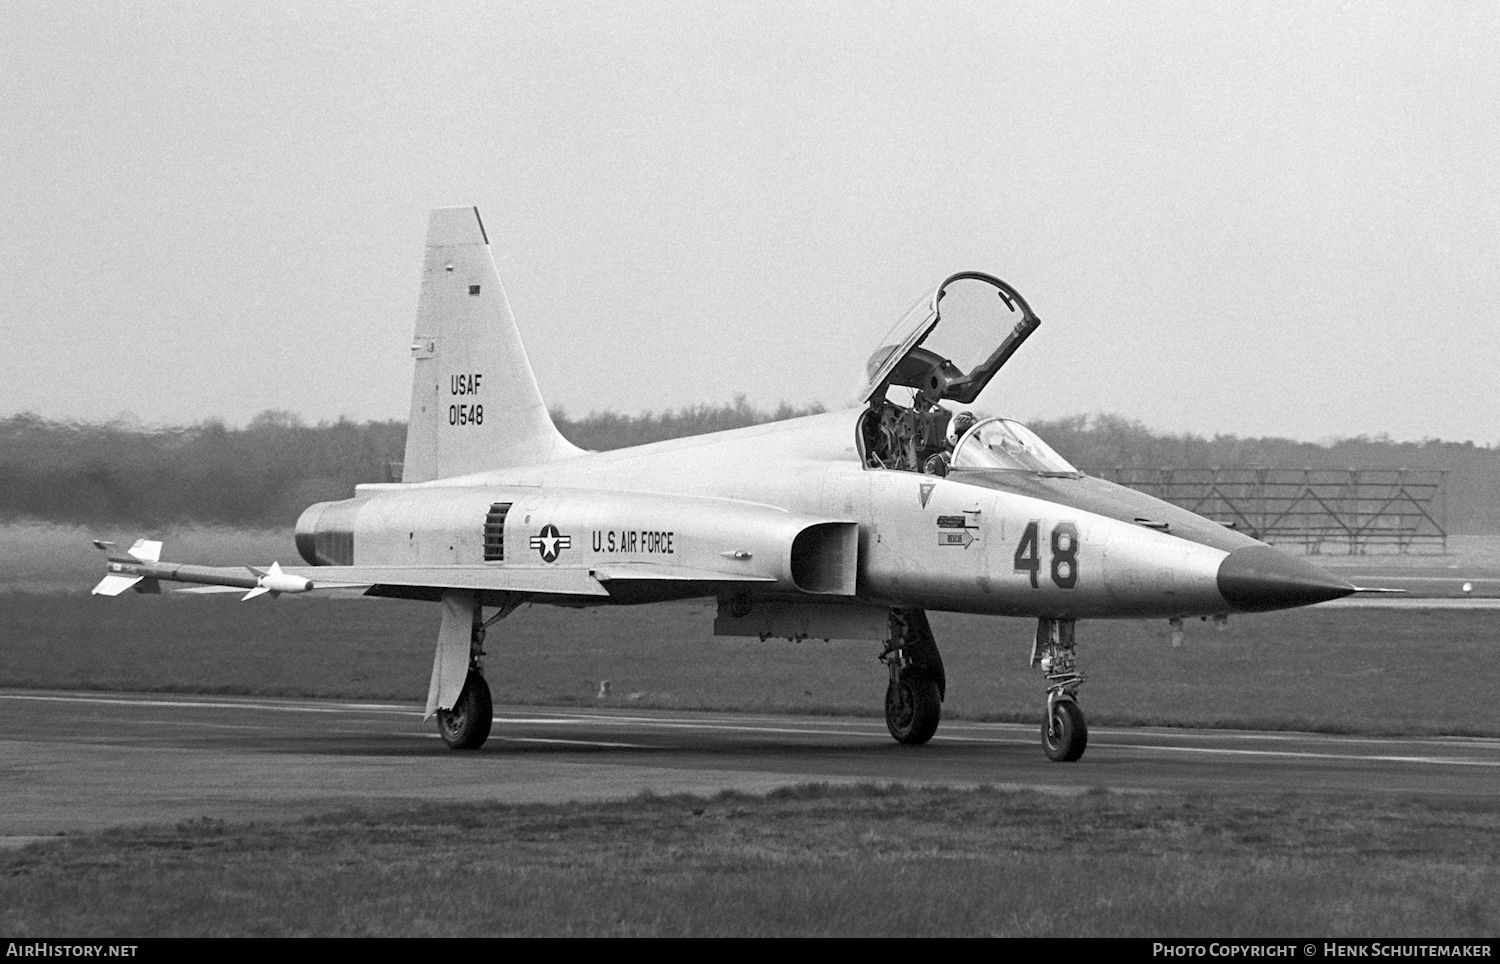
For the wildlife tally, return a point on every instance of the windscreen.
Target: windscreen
(999, 443)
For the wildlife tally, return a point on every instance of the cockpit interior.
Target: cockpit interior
(918, 372)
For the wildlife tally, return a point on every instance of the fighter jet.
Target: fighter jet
(850, 524)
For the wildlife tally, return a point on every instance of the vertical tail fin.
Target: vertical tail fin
(474, 400)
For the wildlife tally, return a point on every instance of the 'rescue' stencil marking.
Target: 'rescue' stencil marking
(957, 530)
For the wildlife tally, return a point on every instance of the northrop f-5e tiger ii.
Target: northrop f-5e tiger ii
(850, 524)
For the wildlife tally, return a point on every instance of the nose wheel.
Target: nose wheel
(1065, 732)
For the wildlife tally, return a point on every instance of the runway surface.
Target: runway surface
(80, 761)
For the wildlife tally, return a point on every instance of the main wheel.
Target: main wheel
(467, 725)
(913, 708)
(1064, 732)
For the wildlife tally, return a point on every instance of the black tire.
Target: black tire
(913, 708)
(467, 725)
(1065, 733)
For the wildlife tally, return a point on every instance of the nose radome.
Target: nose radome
(1260, 578)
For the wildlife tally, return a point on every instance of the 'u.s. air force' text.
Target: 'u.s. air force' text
(634, 540)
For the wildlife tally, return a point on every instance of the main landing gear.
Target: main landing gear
(466, 725)
(914, 698)
(1065, 732)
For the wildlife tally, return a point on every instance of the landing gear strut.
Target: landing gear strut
(1065, 732)
(466, 725)
(914, 698)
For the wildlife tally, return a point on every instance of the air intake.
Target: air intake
(825, 558)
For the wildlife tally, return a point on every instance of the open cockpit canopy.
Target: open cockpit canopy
(952, 342)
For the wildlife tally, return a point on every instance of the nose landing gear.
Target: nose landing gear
(1065, 732)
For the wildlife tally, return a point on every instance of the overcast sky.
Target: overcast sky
(1277, 218)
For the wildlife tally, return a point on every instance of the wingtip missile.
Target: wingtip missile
(140, 568)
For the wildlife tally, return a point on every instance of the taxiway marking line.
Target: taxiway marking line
(536, 739)
(539, 739)
(1305, 754)
(812, 730)
(1472, 579)
(1024, 731)
(1295, 754)
(725, 727)
(220, 705)
(1301, 754)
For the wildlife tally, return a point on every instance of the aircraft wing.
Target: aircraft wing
(142, 570)
(527, 579)
(544, 580)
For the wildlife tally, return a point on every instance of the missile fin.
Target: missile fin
(146, 550)
(114, 584)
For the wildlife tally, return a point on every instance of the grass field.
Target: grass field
(874, 861)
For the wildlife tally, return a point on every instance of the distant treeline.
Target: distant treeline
(265, 473)
(261, 475)
(602, 431)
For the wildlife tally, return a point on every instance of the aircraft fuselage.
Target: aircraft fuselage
(732, 503)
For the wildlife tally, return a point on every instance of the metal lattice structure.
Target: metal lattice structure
(1352, 509)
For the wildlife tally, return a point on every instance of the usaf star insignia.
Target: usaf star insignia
(550, 543)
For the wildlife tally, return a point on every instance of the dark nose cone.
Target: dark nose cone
(1258, 579)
